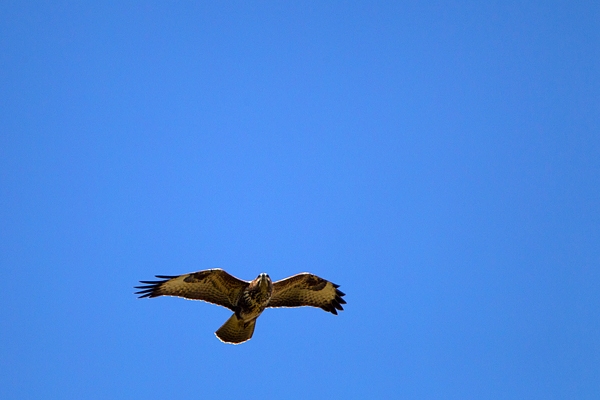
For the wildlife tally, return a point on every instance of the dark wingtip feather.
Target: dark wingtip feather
(336, 303)
(328, 308)
(150, 288)
(145, 286)
(146, 292)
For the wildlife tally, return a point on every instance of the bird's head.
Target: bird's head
(264, 281)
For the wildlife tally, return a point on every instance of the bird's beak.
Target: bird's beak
(264, 280)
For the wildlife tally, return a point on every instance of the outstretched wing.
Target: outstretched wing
(212, 285)
(307, 290)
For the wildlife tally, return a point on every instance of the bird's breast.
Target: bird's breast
(253, 303)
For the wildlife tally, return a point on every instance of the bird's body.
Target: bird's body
(247, 299)
(255, 298)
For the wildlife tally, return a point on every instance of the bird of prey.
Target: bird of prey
(247, 299)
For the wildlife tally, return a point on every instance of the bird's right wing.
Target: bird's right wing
(213, 285)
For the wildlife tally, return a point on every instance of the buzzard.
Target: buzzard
(246, 299)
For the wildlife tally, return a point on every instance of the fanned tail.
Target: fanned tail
(235, 331)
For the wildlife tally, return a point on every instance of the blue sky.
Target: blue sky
(441, 162)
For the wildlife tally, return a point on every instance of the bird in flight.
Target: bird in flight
(247, 299)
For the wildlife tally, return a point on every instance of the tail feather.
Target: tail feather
(235, 331)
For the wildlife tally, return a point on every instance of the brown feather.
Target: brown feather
(214, 286)
(307, 290)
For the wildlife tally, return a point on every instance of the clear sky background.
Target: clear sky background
(439, 161)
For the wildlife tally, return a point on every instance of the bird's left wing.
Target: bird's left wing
(214, 286)
(307, 290)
